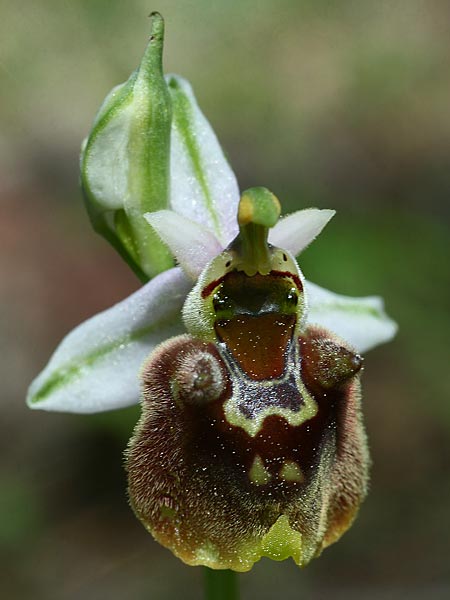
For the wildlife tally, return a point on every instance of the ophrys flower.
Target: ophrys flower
(250, 442)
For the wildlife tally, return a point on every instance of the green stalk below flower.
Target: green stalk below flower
(221, 585)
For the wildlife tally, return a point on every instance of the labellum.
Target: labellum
(251, 440)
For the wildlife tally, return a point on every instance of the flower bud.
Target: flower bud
(125, 161)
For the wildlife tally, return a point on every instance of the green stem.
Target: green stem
(221, 585)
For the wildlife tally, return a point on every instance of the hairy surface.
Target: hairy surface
(218, 496)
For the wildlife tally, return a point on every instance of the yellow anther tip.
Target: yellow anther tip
(245, 213)
(259, 206)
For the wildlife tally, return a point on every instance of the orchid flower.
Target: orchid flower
(251, 440)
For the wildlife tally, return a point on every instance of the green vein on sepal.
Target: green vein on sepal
(114, 101)
(149, 151)
(65, 374)
(356, 308)
(183, 118)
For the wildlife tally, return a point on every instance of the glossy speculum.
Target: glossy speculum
(255, 319)
(251, 441)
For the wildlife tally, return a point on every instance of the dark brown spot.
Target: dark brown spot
(211, 286)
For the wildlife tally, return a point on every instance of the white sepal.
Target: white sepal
(96, 366)
(202, 185)
(360, 321)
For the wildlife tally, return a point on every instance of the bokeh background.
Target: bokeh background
(331, 104)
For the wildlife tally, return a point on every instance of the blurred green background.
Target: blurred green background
(343, 105)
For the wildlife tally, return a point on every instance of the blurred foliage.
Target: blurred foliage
(334, 104)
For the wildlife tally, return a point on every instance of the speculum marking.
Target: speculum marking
(291, 471)
(259, 474)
